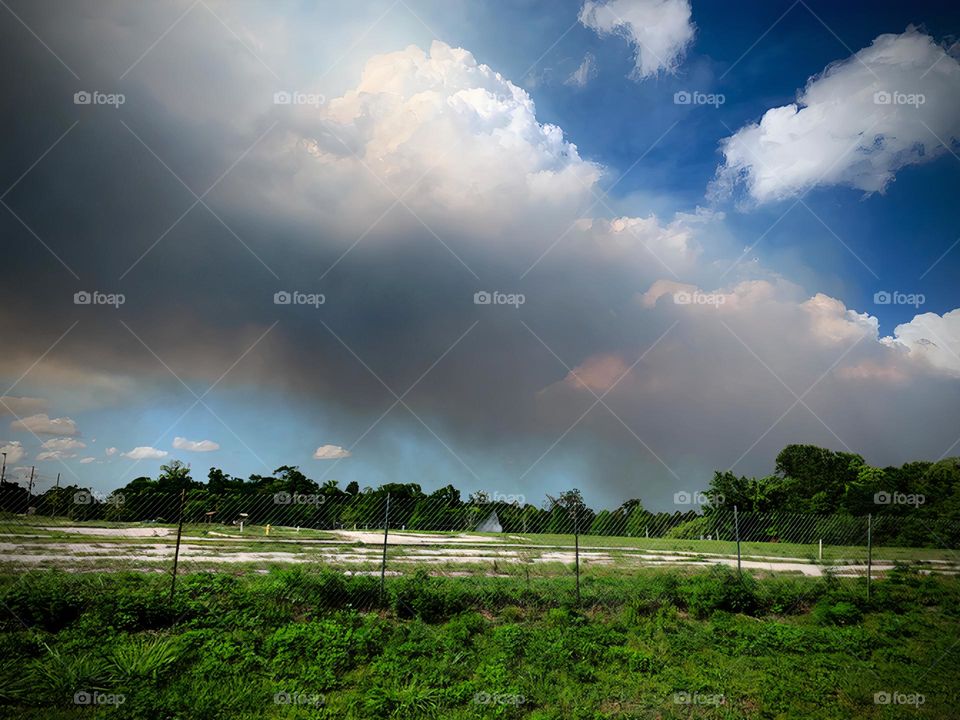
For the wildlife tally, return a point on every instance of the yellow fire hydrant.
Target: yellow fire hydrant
(266, 530)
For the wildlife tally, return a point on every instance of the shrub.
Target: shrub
(721, 589)
(419, 597)
(829, 612)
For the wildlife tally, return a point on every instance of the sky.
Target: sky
(516, 247)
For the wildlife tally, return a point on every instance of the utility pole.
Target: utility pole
(30, 489)
(3, 470)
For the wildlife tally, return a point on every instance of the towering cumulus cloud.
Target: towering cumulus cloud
(449, 134)
(861, 120)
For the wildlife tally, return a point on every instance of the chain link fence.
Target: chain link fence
(501, 549)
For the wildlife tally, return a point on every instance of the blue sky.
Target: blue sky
(795, 258)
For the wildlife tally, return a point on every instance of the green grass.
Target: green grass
(229, 646)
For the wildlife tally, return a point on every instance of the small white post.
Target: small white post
(821, 548)
(241, 526)
(646, 529)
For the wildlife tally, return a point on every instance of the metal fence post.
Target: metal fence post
(736, 528)
(176, 552)
(869, 552)
(576, 549)
(383, 562)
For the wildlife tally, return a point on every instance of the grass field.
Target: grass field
(299, 644)
(292, 624)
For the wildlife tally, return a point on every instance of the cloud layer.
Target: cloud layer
(42, 424)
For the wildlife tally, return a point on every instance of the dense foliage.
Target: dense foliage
(922, 498)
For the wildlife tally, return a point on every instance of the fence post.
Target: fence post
(576, 549)
(736, 527)
(176, 552)
(869, 552)
(383, 562)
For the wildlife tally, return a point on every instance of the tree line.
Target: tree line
(918, 501)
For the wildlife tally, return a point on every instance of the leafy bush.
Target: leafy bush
(720, 589)
(418, 596)
(829, 612)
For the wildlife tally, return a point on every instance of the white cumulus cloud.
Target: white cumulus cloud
(145, 453)
(933, 338)
(59, 448)
(856, 124)
(330, 452)
(181, 443)
(659, 30)
(450, 135)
